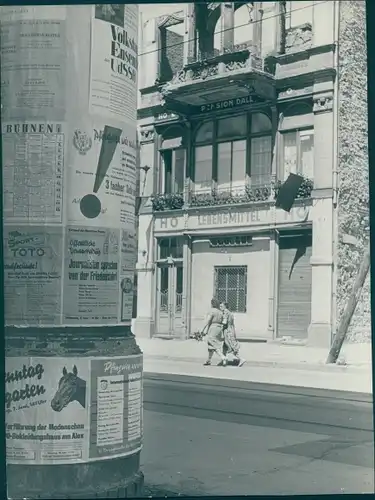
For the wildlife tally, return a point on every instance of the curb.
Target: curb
(335, 395)
(271, 364)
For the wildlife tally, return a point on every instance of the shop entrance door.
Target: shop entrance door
(294, 304)
(169, 299)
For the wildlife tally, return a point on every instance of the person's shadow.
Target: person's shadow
(230, 362)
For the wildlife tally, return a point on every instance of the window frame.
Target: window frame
(172, 152)
(297, 131)
(177, 239)
(215, 141)
(239, 290)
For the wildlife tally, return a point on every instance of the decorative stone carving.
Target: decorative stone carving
(323, 103)
(147, 134)
(298, 38)
(287, 94)
(171, 19)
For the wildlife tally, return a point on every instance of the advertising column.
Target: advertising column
(73, 373)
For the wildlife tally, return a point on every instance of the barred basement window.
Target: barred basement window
(231, 241)
(231, 286)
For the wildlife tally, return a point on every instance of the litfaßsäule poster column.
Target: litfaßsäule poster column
(68, 110)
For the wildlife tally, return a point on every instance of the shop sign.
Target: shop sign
(72, 410)
(227, 104)
(163, 117)
(163, 224)
(249, 217)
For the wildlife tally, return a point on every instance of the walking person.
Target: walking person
(230, 344)
(214, 335)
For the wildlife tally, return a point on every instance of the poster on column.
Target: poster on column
(47, 410)
(114, 63)
(33, 63)
(33, 165)
(91, 278)
(102, 175)
(32, 274)
(128, 264)
(116, 420)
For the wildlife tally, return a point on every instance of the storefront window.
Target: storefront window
(298, 153)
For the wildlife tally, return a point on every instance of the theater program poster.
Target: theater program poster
(116, 418)
(47, 410)
(35, 89)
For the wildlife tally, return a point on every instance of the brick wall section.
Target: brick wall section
(171, 55)
(353, 211)
(175, 51)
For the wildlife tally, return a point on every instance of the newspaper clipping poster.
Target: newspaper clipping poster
(47, 412)
(114, 62)
(91, 276)
(102, 175)
(33, 165)
(32, 275)
(116, 420)
(33, 63)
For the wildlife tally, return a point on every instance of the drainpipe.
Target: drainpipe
(335, 173)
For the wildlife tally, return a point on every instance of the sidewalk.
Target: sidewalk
(266, 363)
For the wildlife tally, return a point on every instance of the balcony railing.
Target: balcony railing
(226, 196)
(239, 58)
(229, 196)
(167, 201)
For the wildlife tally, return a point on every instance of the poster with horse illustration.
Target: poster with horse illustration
(72, 410)
(46, 407)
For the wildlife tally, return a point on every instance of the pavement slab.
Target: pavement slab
(354, 381)
(264, 354)
(194, 456)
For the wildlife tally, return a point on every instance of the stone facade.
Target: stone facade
(353, 167)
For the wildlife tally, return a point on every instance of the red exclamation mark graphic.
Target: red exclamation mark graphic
(90, 204)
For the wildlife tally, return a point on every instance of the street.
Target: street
(225, 437)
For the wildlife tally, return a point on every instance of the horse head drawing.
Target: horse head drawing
(71, 388)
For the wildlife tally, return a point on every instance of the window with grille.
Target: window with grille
(231, 286)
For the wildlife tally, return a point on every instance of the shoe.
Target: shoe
(224, 362)
(207, 363)
(242, 362)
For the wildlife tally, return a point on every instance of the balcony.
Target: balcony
(238, 73)
(219, 197)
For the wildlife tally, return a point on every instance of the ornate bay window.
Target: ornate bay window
(232, 153)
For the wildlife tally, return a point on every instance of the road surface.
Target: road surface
(222, 437)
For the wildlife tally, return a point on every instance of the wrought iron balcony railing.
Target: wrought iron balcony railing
(209, 197)
(230, 196)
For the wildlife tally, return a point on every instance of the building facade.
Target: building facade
(233, 98)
